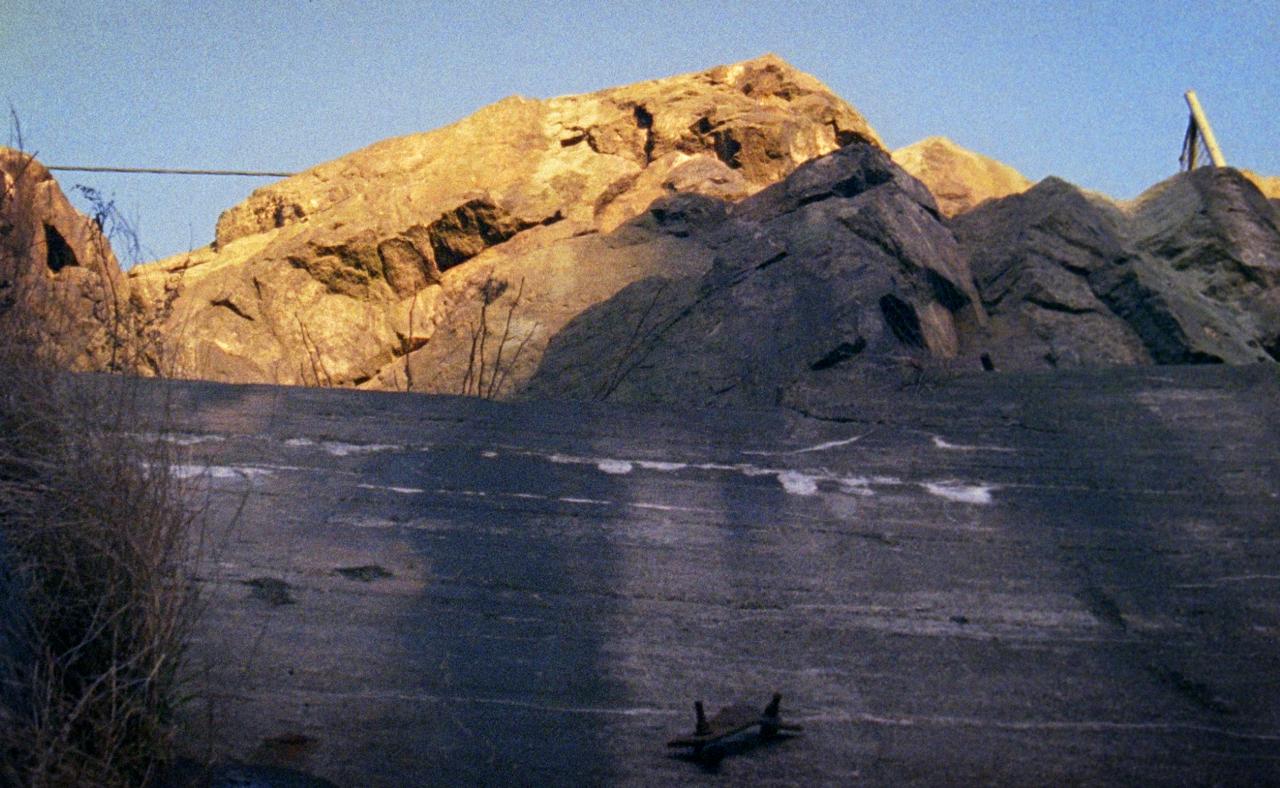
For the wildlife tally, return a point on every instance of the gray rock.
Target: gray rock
(1032, 255)
(846, 260)
(1217, 239)
(1187, 273)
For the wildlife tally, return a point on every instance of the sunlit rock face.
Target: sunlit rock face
(375, 269)
(61, 289)
(959, 179)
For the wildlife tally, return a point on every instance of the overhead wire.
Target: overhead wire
(169, 171)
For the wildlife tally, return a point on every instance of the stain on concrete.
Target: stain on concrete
(366, 573)
(273, 591)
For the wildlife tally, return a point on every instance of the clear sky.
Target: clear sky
(1088, 91)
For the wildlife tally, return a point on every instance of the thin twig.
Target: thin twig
(506, 332)
(618, 374)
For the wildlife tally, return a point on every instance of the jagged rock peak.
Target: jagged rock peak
(760, 118)
(959, 178)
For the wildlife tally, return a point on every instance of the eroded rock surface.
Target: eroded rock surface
(60, 285)
(960, 179)
(845, 263)
(1187, 273)
(376, 268)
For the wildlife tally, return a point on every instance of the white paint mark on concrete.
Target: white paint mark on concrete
(1041, 725)
(958, 491)
(387, 488)
(467, 493)
(179, 438)
(666, 508)
(370, 522)
(942, 443)
(340, 449)
(654, 465)
(793, 481)
(797, 483)
(471, 700)
(819, 447)
(218, 471)
(614, 466)
(591, 501)
(855, 485)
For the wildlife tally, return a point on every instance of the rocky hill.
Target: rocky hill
(959, 179)
(738, 235)
(377, 268)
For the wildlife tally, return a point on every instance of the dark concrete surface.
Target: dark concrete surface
(1053, 579)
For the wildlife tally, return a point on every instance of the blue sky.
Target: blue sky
(1088, 91)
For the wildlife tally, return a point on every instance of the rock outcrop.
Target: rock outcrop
(61, 290)
(376, 268)
(959, 179)
(844, 274)
(845, 264)
(1187, 273)
(737, 235)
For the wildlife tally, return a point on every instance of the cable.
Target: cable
(162, 171)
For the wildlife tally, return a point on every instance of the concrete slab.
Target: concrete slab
(1054, 579)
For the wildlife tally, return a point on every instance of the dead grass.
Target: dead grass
(486, 377)
(97, 552)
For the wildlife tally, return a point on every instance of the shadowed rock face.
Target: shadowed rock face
(1187, 273)
(959, 179)
(845, 263)
(375, 269)
(60, 285)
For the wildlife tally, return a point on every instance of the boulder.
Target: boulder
(959, 179)
(1187, 273)
(376, 268)
(844, 265)
(61, 288)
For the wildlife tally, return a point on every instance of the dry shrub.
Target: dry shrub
(96, 555)
(97, 551)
